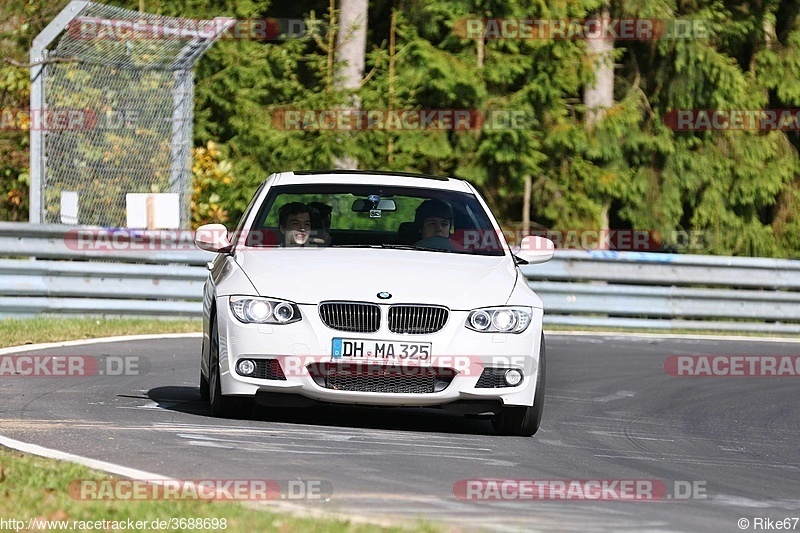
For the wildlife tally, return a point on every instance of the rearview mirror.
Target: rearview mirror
(364, 206)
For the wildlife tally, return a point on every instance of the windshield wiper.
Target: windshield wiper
(413, 247)
(392, 247)
(399, 246)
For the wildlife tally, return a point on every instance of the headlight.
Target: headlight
(264, 311)
(500, 319)
(284, 312)
(480, 320)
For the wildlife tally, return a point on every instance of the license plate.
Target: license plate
(410, 353)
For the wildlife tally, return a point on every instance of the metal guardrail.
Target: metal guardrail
(131, 273)
(56, 241)
(579, 288)
(668, 291)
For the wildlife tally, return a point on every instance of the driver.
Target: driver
(434, 218)
(434, 221)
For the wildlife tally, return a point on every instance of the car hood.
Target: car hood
(311, 275)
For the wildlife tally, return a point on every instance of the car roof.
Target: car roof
(370, 177)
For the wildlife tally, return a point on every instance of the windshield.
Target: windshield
(373, 216)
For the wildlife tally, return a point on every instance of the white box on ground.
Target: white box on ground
(69, 207)
(153, 210)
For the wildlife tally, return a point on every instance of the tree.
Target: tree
(351, 44)
(22, 21)
(596, 145)
(598, 96)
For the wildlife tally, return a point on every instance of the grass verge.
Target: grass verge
(19, 331)
(554, 328)
(36, 488)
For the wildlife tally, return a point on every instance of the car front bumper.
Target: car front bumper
(300, 345)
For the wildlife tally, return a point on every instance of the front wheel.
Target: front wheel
(221, 406)
(524, 421)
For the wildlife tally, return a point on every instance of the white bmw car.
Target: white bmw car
(372, 288)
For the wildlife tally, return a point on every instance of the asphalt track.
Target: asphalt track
(612, 412)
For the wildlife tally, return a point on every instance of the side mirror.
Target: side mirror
(212, 238)
(534, 249)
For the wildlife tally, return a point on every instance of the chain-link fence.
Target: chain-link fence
(118, 91)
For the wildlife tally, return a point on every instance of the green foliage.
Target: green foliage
(22, 21)
(739, 189)
(213, 180)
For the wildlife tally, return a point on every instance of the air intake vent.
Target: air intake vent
(381, 378)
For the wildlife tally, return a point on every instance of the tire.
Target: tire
(524, 421)
(205, 390)
(221, 406)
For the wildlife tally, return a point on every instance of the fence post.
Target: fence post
(38, 60)
(132, 99)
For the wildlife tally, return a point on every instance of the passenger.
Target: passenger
(294, 220)
(321, 223)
